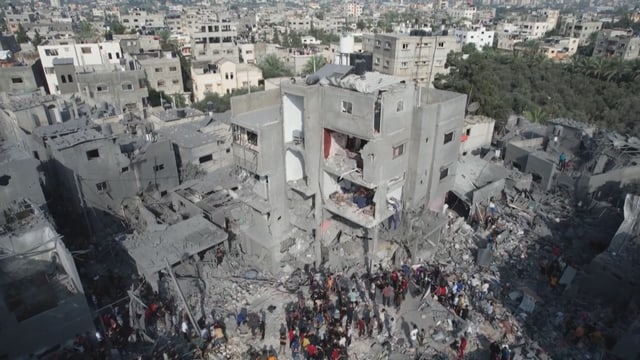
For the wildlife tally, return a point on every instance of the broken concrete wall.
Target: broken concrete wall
(19, 177)
(620, 177)
(357, 116)
(254, 101)
(517, 152)
(492, 190)
(435, 140)
(543, 170)
(479, 133)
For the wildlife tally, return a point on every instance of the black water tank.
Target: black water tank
(360, 66)
(445, 32)
(367, 57)
(108, 36)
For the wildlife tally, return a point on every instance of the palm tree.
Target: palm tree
(315, 63)
(273, 67)
(537, 115)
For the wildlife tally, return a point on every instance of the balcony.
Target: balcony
(354, 202)
(245, 157)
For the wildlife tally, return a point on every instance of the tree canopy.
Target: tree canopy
(314, 64)
(605, 92)
(273, 67)
(21, 35)
(221, 103)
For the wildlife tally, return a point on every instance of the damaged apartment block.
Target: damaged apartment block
(337, 157)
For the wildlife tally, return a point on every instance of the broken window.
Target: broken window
(4, 180)
(102, 88)
(448, 137)
(347, 107)
(124, 169)
(102, 186)
(158, 167)
(93, 154)
(398, 150)
(51, 52)
(161, 83)
(405, 46)
(252, 138)
(173, 68)
(70, 78)
(206, 158)
(17, 80)
(444, 172)
(127, 86)
(468, 131)
(86, 50)
(63, 79)
(400, 106)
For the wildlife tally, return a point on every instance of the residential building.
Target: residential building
(40, 286)
(617, 43)
(138, 19)
(95, 173)
(39, 282)
(476, 133)
(581, 30)
(299, 24)
(247, 53)
(79, 55)
(136, 43)
(478, 36)
(417, 58)
(440, 4)
(354, 9)
(222, 77)
(212, 37)
(507, 41)
(16, 78)
(320, 161)
(203, 142)
(14, 17)
(163, 71)
(559, 48)
(462, 13)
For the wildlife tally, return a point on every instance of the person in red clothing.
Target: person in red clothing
(335, 353)
(312, 351)
(462, 347)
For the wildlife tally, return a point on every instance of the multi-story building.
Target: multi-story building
(617, 43)
(354, 9)
(479, 36)
(347, 156)
(213, 38)
(559, 48)
(440, 4)
(579, 29)
(163, 71)
(78, 55)
(222, 77)
(137, 19)
(14, 17)
(247, 53)
(299, 24)
(95, 173)
(462, 13)
(418, 57)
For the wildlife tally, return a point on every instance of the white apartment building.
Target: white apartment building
(222, 77)
(464, 13)
(480, 37)
(138, 18)
(81, 55)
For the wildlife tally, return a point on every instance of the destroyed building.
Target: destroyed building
(95, 173)
(344, 151)
(39, 283)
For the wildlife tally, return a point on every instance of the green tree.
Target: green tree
(221, 103)
(273, 67)
(165, 40)
(319, 15)
(536, 115)
(21, 35)
(85, 30)
(179, 101)
(314, 64)
(361, 24)
(37, 39)
(155, 96)
(117, 27)
(295, 40)
(276, 37)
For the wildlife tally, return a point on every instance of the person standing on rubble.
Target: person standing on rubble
(462, 347)
(219, 255)
(263, 325)
(413, 336)
(562, 161)
(387, 293)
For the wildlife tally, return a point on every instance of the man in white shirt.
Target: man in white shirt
(184, 328)
(414, 336)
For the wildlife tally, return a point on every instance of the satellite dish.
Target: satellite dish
(473, 107)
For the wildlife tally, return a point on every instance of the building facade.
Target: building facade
(617, 43)
(415, 58)
(341, 156)
(222, 77)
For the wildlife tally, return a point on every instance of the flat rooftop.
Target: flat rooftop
(11, 152)
(258, 118)
(153, 250)
(72, 139)
(170, 115)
